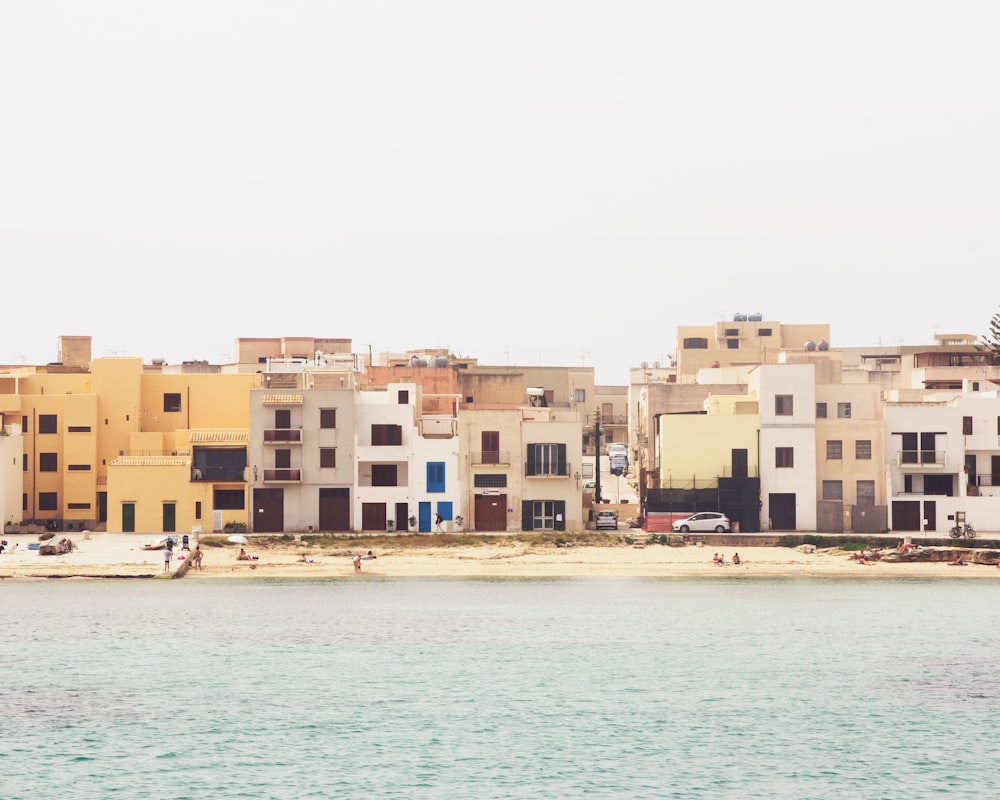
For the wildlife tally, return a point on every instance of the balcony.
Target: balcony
(547, 471)
(935, 459)
(201, 474)
(485, 457)
(283, 436)
(282, 476)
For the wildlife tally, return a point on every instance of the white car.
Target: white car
(704, 521)
(607, 521)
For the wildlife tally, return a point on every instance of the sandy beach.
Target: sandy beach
(109, 555)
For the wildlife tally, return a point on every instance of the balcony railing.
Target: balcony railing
(283, 435)
(921, 458)
(218, 473)
(547, 471)
(282, 476)
(480, 457)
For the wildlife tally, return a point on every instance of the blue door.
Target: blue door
(424, 518)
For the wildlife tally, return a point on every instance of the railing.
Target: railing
(283, 435)
(924, 458)
(480, 457)
(551, 471)
(282, 476)
(218, 473)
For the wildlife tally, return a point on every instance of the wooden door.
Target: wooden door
(334, 509)
(782, 510)
(373, 516)
(169, 518)
(906, 515)
(491, 512)
(268, 510)
(491, 447)
(930, 514)
(402, 513)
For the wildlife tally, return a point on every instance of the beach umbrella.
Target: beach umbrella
(237, 539)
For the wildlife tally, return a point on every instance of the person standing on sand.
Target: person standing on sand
(357, 563)
(166, 559)
(438, 519)
(196, 557)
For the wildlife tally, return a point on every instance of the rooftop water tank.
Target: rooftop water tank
(823, 344)
(810, 345)
(755, 317)
(417, 361)
(738, 317)
(439, 361)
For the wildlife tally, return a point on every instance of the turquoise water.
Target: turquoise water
(611, 688)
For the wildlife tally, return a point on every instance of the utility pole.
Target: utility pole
(597, 457)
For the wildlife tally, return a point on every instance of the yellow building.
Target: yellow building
(113, 445)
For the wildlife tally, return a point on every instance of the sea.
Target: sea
(513, 688)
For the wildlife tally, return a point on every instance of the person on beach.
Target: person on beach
(196, 557)
(438, 519)
(357, 563)
(736, 559)
(166, 559)
(370, 557)
(242, 555)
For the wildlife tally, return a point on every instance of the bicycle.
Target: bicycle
(965, 531)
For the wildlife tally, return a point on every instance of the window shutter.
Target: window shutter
(527, 521)
(561, 459)
(559, 506)
(530, 469)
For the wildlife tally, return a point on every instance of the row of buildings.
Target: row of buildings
(764, 421)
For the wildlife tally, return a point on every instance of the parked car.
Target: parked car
(703, 521)
(607, 521)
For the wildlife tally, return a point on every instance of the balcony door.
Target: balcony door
(491, 447)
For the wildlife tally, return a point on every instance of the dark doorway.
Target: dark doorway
(491, 512)
(373, 516)
(995, 471)
(268, 510)
(906, 515)
(930, 514)
(782, 511)
(491, 447)
(102, 507)
(128, 517)
(169, 518)
(334, 509)
(402, 512)
(739, 463)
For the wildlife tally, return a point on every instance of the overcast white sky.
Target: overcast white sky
(525, 182)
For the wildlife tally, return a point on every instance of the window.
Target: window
(696, 343)
(219, 465)
(967, 426)
(833, 490)
(866, 493)
(863, 449)
(78, 506)
(197, 509)
(821, 411)
(843, 410)
(283, 459)
(783, 405)
(282, 418)
(403, 397)
(489, 481)
(784, 457)
(48, 462)
(387, 435)
(328, 457)
(48, 423)
(580, 395)
(328, 418)
(48, 501)
(435, 476)
(79, 429)
(24, 462)
(79, 467)
(546, 459)
(543, 515)
(24, 425)
(171, 401)
(733, 344)
(763, 331)
(384, 475)
(227, 499)
(834, 449)
(731, 332)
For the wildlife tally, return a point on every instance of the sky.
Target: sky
(557, 183)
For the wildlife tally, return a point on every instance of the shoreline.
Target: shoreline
(122, 556)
